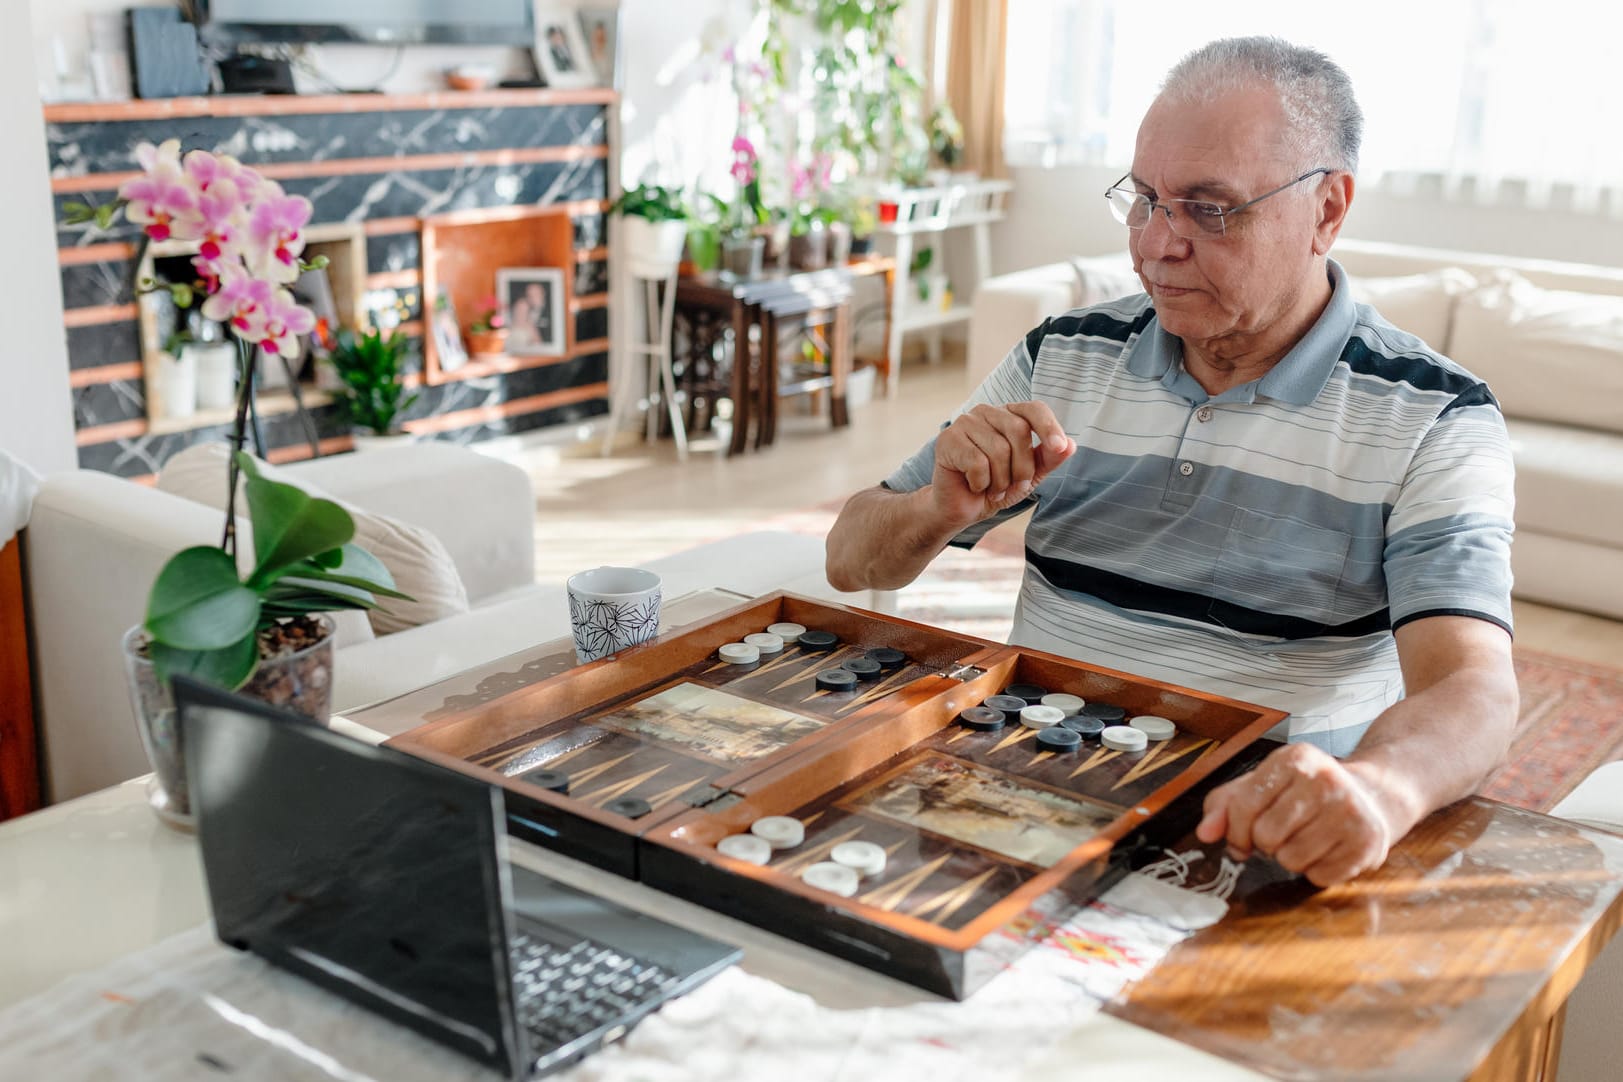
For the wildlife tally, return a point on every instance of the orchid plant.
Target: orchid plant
(201, 617)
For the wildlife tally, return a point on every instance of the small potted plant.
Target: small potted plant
(488, 332)
(374, 393)
(655, 229)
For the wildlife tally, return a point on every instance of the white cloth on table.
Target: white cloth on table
(188, 1008)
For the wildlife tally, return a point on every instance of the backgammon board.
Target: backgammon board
(644, 763)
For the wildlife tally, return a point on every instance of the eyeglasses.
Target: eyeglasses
(1189, 218)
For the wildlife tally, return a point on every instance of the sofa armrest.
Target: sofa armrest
(1008, 306)
(482, 508)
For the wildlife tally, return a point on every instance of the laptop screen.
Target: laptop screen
(368, 871)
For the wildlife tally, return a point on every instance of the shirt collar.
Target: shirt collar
(1296, 380)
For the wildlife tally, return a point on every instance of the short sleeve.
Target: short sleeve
(1009, 382)
(1448, 536)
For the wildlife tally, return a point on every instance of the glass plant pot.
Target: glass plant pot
(299, 680)
(741, 256)
(809, 250)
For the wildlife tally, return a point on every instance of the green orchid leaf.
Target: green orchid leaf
(197, 603)
(293, 589)
(361, 564)
(329, 559)
(229, 667)
(289, 525)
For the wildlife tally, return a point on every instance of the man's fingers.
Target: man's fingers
(1016, 435)
(1050, 433)
(961, 456)
(995, 449)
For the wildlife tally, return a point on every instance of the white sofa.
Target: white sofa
(94, 543)
(1547, 337)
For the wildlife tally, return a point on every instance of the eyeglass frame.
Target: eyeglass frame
(1221, 214)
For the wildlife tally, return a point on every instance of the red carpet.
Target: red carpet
(1572, 711)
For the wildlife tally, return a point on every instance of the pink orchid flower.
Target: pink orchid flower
(161, 200)
(241, 300)
(744, 159)
(285, 321)
(275, 233)
(221, 219)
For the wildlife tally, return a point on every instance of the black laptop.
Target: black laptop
(383, 877)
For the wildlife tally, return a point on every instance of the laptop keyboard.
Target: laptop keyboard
(565, 992)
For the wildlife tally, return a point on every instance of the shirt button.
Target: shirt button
(1186, 468)
(1203, 414)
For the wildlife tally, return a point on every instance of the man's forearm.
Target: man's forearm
(883, 539)
(1439, 745)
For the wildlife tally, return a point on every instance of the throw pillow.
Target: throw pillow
(1104, 278)
(417, 559)
(1422, 304)
(1548, 354)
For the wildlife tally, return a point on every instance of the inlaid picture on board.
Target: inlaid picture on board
(599, 27)
(533, 299)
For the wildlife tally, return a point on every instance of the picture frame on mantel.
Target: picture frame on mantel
(600, 29)
(561, 54)
(532, 299)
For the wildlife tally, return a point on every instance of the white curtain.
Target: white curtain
(1502, 99)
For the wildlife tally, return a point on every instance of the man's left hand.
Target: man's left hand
(1310, 812)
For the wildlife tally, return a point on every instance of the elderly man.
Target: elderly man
(1244, 481)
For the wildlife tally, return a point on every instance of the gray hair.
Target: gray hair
(1324, 125)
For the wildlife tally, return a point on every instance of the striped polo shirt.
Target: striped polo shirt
(1263, 543)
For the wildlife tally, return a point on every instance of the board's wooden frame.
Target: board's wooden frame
(674, 848)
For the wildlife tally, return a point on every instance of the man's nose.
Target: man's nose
(1157, 240)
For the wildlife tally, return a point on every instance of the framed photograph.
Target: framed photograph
(532, 299)
(453, 353)
(561, 55)
(600, 29)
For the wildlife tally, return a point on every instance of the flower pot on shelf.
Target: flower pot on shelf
(216, 377)
(839, 244)
(742, 255)
(297, 676)
(172, 380)
(487, 341)
(369, 441)
(653, 249)
(809, 250)
(775, 235)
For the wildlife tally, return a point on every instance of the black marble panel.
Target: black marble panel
(591, 323)
(406, 194)
(591, 277)
(92, 284)
(104, 343)
(393, 252)
(589, 231)
(82, 149)
(109, 403)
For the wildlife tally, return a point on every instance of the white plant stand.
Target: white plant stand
(655, 327)
(927, 212)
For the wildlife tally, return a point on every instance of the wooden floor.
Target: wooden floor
(640, 502)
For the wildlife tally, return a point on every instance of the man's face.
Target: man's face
(1221, 290)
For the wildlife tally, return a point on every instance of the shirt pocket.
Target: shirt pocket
(1278, 577)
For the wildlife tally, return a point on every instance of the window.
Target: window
(1487, 89)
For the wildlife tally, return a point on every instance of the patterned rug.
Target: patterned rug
(1572, 711)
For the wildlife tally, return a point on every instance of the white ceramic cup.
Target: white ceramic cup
(611, 608)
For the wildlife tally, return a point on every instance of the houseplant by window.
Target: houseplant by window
(655, 228)
(374, 392)
(264, 629)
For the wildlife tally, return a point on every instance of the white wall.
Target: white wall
(36, 410)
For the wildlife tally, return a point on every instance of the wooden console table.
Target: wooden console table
(19, 763)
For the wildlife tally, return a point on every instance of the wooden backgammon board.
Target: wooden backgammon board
(643, 763)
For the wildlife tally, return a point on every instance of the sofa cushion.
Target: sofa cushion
(1422, 304)
(1548, 354)
(415, 557)
(1569, 481)
(1104, 278)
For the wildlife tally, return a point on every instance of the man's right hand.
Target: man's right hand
(987, 460)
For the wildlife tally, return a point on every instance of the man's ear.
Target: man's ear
(1334, 202)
